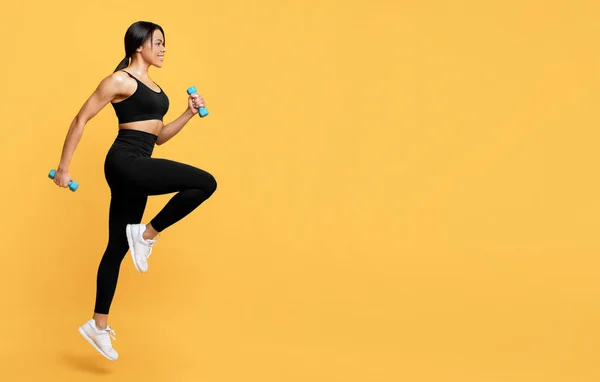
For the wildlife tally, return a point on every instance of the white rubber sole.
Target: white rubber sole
(130, 242)
(88, 339)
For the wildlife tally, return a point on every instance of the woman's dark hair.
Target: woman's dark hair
(137, 34)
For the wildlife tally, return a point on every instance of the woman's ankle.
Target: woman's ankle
(101, 320)
(150, 232)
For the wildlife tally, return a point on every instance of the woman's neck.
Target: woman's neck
(138, 68)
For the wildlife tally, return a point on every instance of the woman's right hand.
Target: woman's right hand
(62, 178)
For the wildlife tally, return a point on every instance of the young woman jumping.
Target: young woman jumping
(130, 171)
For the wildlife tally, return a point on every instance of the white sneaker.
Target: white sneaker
(139, 247)
(99, 339)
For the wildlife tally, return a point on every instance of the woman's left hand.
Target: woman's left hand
(195, 102)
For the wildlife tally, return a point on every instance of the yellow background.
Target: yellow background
(408, 191)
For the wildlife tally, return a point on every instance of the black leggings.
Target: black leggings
(132, 176)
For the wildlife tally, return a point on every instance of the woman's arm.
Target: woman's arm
(107, 90)
(171, 129)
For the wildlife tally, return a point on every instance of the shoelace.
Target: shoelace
(149, 245)
(111, 333)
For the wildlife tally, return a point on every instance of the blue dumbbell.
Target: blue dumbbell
(202, 112)
(72, 185)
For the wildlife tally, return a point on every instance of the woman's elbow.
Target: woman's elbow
(79, 121)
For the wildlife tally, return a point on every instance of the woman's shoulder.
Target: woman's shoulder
(118, 78)
(118, 82)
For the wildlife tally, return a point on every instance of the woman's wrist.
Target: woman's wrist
(189, 113)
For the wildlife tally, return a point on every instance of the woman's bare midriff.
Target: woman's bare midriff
(152, 126)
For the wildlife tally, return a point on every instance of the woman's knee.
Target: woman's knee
(199, 185)
(196, 195)
(212, 187)
(115, 251)
(207, 183)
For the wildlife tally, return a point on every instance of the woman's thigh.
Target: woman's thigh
(157, 176)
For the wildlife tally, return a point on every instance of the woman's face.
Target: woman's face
(154, 49)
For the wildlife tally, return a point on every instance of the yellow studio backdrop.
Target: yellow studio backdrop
(408, 191)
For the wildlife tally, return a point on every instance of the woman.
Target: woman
(131, 173)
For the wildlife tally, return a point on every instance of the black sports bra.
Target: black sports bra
(144, 104)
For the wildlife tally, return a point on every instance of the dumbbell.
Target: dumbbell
(72, 185)
(202, 112)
